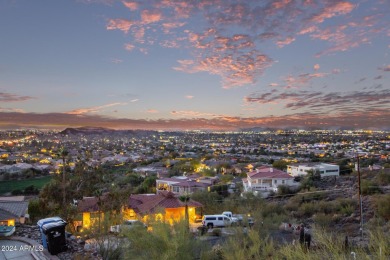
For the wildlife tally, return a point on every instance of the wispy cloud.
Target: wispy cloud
(189, 97)
(334, 101)
(239, 58)
(17, 110)
(82, 111)
(152, 111)
(9, 97)
(193, 114)
(116, 61)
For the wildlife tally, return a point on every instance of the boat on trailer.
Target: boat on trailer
(6, 231)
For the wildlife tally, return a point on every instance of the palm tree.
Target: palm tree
(63, 153)
(185, 198)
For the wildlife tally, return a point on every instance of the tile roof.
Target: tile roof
(90, 204)
(142, 203)
(268, 172)
(13, 208)
(151, 203)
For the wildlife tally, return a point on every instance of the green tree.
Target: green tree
(280, 164)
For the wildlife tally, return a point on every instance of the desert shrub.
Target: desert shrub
(379, 244)
(346, 202)
(322, 220)
(382, 208)
(272, 208)
(383, 178)
(369, 187)
(307, 209)
(164, 242)
(292, 205)
(286, 190)
(248, 245)
(347, 210)
(216, 232)
(326, 207)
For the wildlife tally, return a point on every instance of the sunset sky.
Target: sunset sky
(195, 64)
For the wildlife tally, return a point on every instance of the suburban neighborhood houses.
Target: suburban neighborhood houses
(102, 182)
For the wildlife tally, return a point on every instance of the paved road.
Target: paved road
(15, 250)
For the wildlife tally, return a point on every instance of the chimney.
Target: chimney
(271, 169)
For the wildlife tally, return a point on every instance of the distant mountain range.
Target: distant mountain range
(87, 130)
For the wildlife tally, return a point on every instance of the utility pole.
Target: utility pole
(360, 196)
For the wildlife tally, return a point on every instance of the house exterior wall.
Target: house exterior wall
(324, 169)
(267, 184)
(169, 215)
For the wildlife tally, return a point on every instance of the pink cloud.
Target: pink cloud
(217, 51)
(150, 16)
(280, 4)
(96, 109)
(336, 8)
(7, 110)
(189, 97)
(309, 29)
(302, 79)
(152, 111)
(131, 5)
(120, 24)
(129, 47)
(316, 66)
(235, 71)
(385, 68)
(192, 114)
(8, 97)
(287, 41)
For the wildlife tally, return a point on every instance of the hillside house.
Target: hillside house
(165, 206)
(266, 179)
(325, 169)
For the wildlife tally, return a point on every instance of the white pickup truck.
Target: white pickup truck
(239, 219)
(236, 218)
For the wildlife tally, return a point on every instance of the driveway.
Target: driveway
(13, 250)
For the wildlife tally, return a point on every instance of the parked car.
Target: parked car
(212, 221)
(127, 224)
